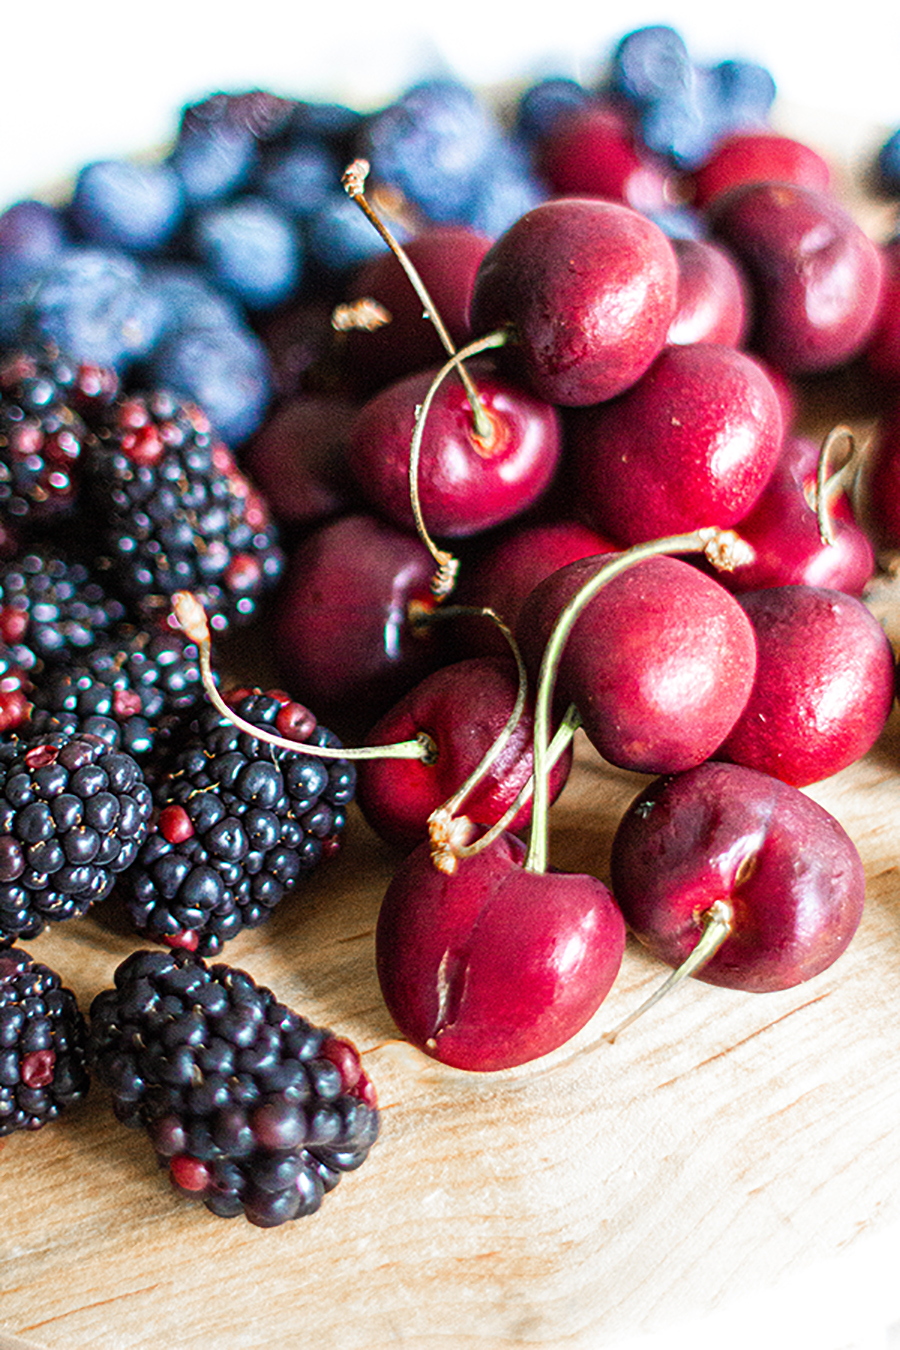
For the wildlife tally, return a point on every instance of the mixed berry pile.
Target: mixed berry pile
(216, 367)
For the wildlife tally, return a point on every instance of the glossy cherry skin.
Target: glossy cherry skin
(494, 966)
(465, 485)
(883, 486)
(724, 832)
(758, 157)
(343, 643)
(507, 572)
(592, 151)
(713, 297)
(824, 684)
(462, 707)
(882, 350)
(659, 664)
(587, 289)
(783, 531)
(692, 444)
(446, 258)
(815, 275)
(299, 459)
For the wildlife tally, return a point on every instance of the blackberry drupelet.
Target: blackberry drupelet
(239, 823)
(52, 606)
(179, 513)
(251, 1108)
(73, 814)
(43, 1044)
(43, 399)
(130, 688)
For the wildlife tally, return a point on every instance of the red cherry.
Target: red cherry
(790, 872)
(587, 289)
(758, 157)
(692, 444)
(713, 296)
(884, 481)
(494, 965)
(824, 684)
(592, 151)
(298, 459)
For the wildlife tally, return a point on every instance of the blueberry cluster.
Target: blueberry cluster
(43, 1044)
(252, 1109)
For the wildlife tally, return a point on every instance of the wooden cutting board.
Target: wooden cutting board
(725, 1141)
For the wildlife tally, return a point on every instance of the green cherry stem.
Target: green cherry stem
(191, 617)
(722, 548)
(448, 566)
(353, 180)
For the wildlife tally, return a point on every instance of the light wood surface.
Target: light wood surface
(726, 1141)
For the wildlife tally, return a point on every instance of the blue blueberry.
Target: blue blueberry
(225, 370)
(127, 205)
(652, 63)
(188, 298)
(250, 248)
(212, 160)
(32, 234)
(332, 122)
(300, 177)
(543, 102)
(505, 194)
(339, 237)
(745, 92)
(887, 164)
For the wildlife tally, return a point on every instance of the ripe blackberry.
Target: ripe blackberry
(52, 606)
(252, 1109)
(239, 823)
(179, 514)
(130, 689)
(73, 814)
(42, 431)
(43, 1044)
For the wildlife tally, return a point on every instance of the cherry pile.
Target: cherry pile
(494, 423)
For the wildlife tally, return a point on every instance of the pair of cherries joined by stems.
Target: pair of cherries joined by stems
(486, 957)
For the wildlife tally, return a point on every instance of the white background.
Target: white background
(86, 79)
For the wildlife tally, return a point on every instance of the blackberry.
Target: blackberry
(129, 688)
(73, 814)
(52, 606)
(239, 823)
(251, 1108)
(43, 432)
(179, 513)
(43, 1044)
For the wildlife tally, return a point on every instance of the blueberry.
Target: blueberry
(745, 91)
(300, 177)
(652, 63)
(127, 205)
(32, 234)
(887, 164)
(340, 238)
(250, 248)
(505, 194)
(543, 102)
(212, 159)
(225, 370)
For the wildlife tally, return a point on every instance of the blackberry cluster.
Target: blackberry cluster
(52, 606)
(43, 1044)
(179, 514)
(130, 689)
(73, 814)
(239, 822)
(252, 1109)
(43, 432)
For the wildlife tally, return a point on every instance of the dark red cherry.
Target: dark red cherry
(587, 289)
(462, 707)
(815, 275)
(882, 350)
(299, 459)
(692, 444)
(758, 157)
(824, 684)
(713, 297)
(883, 485)
(466, 484)
(722, 832)
(659, 665)
(494, 965)
(593, 151)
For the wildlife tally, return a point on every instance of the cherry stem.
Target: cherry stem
(448, 566)
(716, 925)
(353, 180)
(723, 548)
(191, 617)
(830, 485)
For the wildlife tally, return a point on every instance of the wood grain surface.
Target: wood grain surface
(725, 1141)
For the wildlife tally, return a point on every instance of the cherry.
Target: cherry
(466, 483)
(883, 486)
(783, 529)
(343, 640)
(758, 157)
(446, 258)
(298, 459)
(587, 290)
(815, 275)
(789, 873)
(592, 150)
(824, 684)
(882, 350)
(692, 443)
(659, 664)
(462, 708)
(494, 965)
(713, 297)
